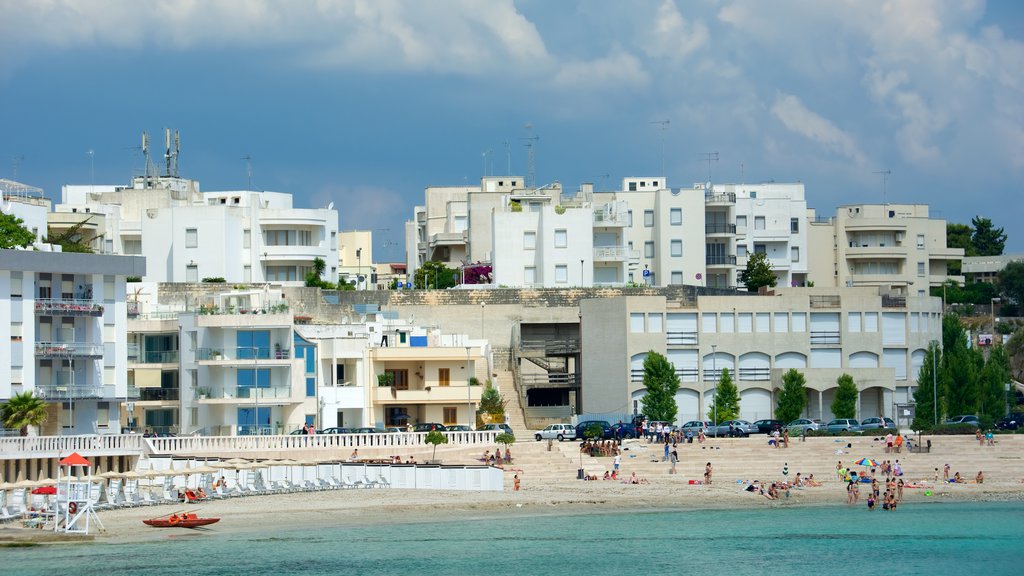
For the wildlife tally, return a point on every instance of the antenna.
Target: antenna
(145, 154)
(664, 126)
(248, 168)
(531, 168)
(508, 159)
(885, 176)
(177, 150)
(485, 154)
(92, 170)
(167, 151)
(15, 163)
(709, 157)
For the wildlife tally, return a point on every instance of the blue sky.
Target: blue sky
(364, 103)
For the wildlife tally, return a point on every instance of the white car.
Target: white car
(556, 432)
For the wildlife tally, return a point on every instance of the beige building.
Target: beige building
(355, 259)
(893, 245)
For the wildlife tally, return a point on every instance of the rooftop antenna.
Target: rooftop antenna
(248, 168)
(92, 170)
(15, 163)
(177, 151)
(709, 157)
(885, 176)
(508, 159)
(664, 126)
(145, 155)
(531, 169)
(485, 154)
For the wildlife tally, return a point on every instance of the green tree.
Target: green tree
(435, 437)
(505, 438)
(435, 274)
(71, 239)
(960, 368)
(23, 410)
(1011, 282)
(924, 396)
(758, 272)
(958, 236)
(992, 385)
(1015, 351)
(314, 279)
(661, 384)
(986, 238)
(845, 403)
(491, 401)
(793, 397)
(13, 233)
(726, 405)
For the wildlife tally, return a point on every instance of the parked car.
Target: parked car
(695, 426)
(797, 427)
(500, 428)
(965, 419)
(1011, 422)
(428, 426)
(458, 428)
(624, 430)
(768, 426)
(364, 430)
(302, 432)
(733, 428)
(393, 430)
(843, 425)
(606, 428)
(336, 430)
(556, 432)
(876, 423)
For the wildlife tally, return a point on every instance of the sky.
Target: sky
(364, 103)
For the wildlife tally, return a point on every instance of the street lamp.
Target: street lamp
(583, 281)
(714, 370)
(935, 389)
(483, 306)
(469, 395)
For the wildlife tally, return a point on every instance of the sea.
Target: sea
(941, 538)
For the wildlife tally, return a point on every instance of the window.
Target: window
(794, 253)
(753, 194)
(920, 241)
(632, 186)
(399, 378)
(648, 249)
(636, 322)
(920, 268)
(247, 238)
(561, 274)
(191, 273)
(103, 414)
(450, 416)
(191, 238)
(758, 222)
(530, 275)
(677, 277)
(648, 218)
(655, 323)
(675, 217)
(246, 273)
(677, 248)
(741, 221)
(760, 249)
(629, 218)
(561, 239)
(794, 225)
(444, 376)
(741, 250)
(529, 240)
(16, 283)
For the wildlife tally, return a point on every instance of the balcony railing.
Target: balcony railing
(610, 253)
(719, 228)
(246, 393)
(681, 338)
(553, 379)
(727, 198)
(153, 357)
(68, 350)
(825, 337)
(825, 301)
(62, 392)
(688, 374)
(159, 394)
(243, 353)
(720, 260)
(602, 218)
(894, 301)
(67, 307)
(761, 374)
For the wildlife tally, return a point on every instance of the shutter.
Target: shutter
(894, 329)
(746, 323)
(853, 322)
(895, 358)
(763, 322)
(788, 360)
(707, 323)
(863, 360)
(826, 358)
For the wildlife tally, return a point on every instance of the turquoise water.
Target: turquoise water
(917, 539)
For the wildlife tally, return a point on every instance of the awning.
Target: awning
(147, 377)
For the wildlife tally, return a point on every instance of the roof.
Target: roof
(75, 459)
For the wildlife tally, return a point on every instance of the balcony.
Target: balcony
(756, 374)
(825, 301)
(242, 394)
(68, 307)
(244, 355)
(57, 392)
(681, 338)
(428, 395)
(68, 350)
(880, 252)
(158, 394)
(447, 239)
(720, 199)
(719, 228)
(894, 301)
(550, 380)
(152, 357)
(828, 338)
(720, 260)
(603, 219)
(688, 374)
(610, 253)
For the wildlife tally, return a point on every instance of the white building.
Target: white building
(187, 235)
(27, 203)
(63, 326)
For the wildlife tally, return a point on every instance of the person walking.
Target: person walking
(707, 473)
(674, 458)
(616, 463)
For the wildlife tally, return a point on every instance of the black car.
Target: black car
(428, 426)
(582, 427)
(624, 430)
(1011, 422)
(769, 426)
(336, 430)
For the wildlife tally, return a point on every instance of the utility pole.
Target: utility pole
(885, 176)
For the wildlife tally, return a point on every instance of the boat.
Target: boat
(180, 520)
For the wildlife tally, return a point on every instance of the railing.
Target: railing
(602, 218)
(133, 308)
(59, 446)
(729, 198)
(688, 374)
(720, 260)
(636, 375)
(719, 228)
(68, 350)
(681, 338)
(550, 348)
(894, 301)
(243, 353)
(262, 443)
(761, 374)
(157, 357)
(610, 253)
(550, 379)
(68, 307)
(67, 392)
(825, 301)
(825, 337)
(246, 392)
(713, 375)
(159, 394)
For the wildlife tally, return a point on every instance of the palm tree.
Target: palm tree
(24, 410)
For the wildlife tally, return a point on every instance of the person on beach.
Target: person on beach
(616, 462)
(775, 437)
(979, 437)
(508, 455)
(957, 479)
(871, 502)
(674, 458)
(665, 457)
(849, 492)
(899, 490)
(785, 438)
(707, 473)
(810, 481)
(354, 456)
(515, 483)
(945, 473)
(980, 478)
(898, 443)
(888, 443)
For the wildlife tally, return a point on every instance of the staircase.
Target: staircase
(514, 407)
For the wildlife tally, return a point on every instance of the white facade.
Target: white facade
(25, 202)
(544, 247)
(772, 218)
(63, 326)
(187, 235)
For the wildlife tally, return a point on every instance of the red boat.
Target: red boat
(182, 520)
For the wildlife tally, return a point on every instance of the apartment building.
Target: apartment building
(63, 335)
(187, 235)
(355, 259)
(27, 203)
(879, 338)
(885, 245)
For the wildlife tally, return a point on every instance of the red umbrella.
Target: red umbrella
(45, 490)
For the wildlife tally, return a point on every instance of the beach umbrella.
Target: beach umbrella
(24, 484)
(45, 490)
(46, 482)
(133, 475)
(204, 470)
(108, 474)
(867, 462)
(237, 461)
(6, 486)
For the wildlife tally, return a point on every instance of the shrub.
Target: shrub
(214, 280)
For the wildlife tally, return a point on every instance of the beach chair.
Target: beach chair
(16, 503)
(113, 493)
(5, 514)
(369, 483)
(383, 482)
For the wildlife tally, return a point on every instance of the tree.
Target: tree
(23, 410)
(992, 386)
(13, 233)
(435, 274)
(726, 405)
(70, 240)
(960, 368)
(793, 397)
(491, 401)
(505, 438)
(1015, 350)
(1011, 282)
(845, 403)
(435, 437)
(314, 279)
(758, 272)
(987, 240)
(925, 396)
(661, 383)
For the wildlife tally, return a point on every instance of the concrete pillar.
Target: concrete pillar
(821, 405)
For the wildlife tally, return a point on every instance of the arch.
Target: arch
(636, 367)
(636, 400)
(916, 361)
(755, 404)
(688, 403)
(755, 366)
(863, 359)
(790, 360)
(720, 360)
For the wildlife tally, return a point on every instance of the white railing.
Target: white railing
(58, 446)
(233, 444)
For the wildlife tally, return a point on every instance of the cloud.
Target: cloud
(673, 37)
(798, 119)
(620, 70)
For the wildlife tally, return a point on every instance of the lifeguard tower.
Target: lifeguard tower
(74, 504)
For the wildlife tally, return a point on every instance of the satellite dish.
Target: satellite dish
(330, 206)
(707, 186)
